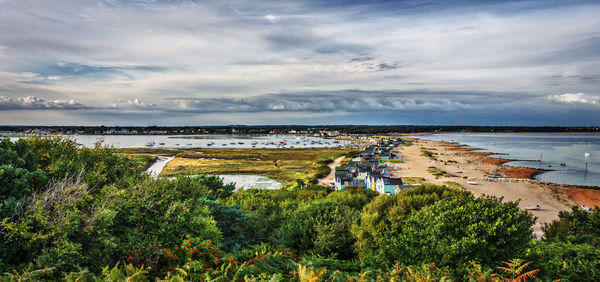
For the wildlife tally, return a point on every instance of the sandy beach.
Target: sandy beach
(463, 164)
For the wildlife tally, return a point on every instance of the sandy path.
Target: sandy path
(330, 177)
(551, 199)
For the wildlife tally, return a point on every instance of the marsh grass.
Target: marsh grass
(428, 154)
(413, 180)
(439, 172)
(286, 165)
(454, 185)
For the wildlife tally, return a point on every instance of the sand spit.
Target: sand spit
(465, 165)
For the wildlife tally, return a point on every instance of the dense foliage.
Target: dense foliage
(89, 214)
(453, 232)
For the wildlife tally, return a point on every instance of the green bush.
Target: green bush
(383, 217)
(268, 209)
(577, 226)
(450, 233)
(19, 175)
(321, 227)
(565, 261)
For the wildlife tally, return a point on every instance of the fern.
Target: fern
(514, 270)
(26, 274)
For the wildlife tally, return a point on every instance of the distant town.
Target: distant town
(320, 130)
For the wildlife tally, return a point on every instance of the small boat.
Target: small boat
(533, 208)
(586, 208)
(472, 182)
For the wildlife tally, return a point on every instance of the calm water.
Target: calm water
(203, 141)
(527, 149)
(244, 181)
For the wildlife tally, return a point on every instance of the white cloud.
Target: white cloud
(575, 98)
(135, 103)
(271, 18)
(36, 103)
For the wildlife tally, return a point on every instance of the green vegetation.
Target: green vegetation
(413, 180)
(428, 154)
(89, 214)
(144, 161)
(454, 185)
(439, 172)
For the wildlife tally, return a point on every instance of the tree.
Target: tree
(322, 227)
(577, 226)
(268, 209)
(19, 175)
(452, 232)
(565, 261)
(231, 222)
(355, 199)
(60, 157)
(383, 217)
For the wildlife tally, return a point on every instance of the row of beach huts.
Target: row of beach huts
(370, 171)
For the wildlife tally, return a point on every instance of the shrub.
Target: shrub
(450, 233)
(322, 227)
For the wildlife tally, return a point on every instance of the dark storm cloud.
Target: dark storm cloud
(344, 101)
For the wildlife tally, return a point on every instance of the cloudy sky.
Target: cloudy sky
(192, 62)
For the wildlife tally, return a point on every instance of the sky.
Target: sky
(192, 62)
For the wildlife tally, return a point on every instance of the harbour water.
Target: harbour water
(540, 150)
(208, 141)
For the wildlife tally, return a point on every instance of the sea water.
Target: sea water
(540, 150)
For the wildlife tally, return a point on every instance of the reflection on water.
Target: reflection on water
(251, 181)
(543, 151)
